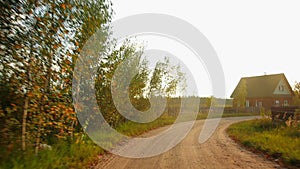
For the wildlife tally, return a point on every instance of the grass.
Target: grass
(226, 114)
(72, 155)
(62, 156)
(133, 129)
(276, 140)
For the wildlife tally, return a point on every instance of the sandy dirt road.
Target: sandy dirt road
(218, 152)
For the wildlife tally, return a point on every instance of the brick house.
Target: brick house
(265, 91)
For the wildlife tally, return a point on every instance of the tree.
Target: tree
(40, 42)
(211, 102)
(165, 79)
(296, 99)
(240, 94)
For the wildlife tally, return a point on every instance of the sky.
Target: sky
(251, 38)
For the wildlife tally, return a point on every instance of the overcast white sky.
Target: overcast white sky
(250, 37)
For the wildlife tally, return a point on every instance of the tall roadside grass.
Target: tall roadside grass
(276, 140)
(63, 155)
(73, 154)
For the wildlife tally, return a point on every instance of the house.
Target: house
(263, 91)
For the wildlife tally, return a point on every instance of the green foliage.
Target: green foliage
(296, 100)
(40, 42)
(241, 94)
(166, 80)
(275, 139)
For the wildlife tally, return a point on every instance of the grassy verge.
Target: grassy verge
(133, 129)
(63, 155)
(277, 141)
(225, 114)
(82, 154)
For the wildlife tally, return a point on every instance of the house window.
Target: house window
(285, 103)
(260, 104)
(281, 88)
(247, 103)
(238, 104)
(277, 102)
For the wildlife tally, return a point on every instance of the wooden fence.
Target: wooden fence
(285, 113)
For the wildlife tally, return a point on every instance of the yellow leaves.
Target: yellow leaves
(30, 94)
(15, 108)
(36, 87)
(53, 5)
(68, 62)
(2, 113)
(18, 46)
(59, 136)
(77, 140)
(63, 6)
(55, 46)
(63, 70)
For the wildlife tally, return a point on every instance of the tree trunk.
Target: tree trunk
(38, 138)
(24, 123)
(72, 130)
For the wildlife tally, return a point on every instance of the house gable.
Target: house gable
(282, 88)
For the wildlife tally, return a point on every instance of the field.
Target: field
(277, 141)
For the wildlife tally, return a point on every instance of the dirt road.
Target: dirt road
(218, 152)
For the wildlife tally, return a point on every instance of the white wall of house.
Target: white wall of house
(282, 88)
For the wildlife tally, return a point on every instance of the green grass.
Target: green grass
(72, 155)
(133, 129)
(62, 156)
(225, 114)
(276, 140)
